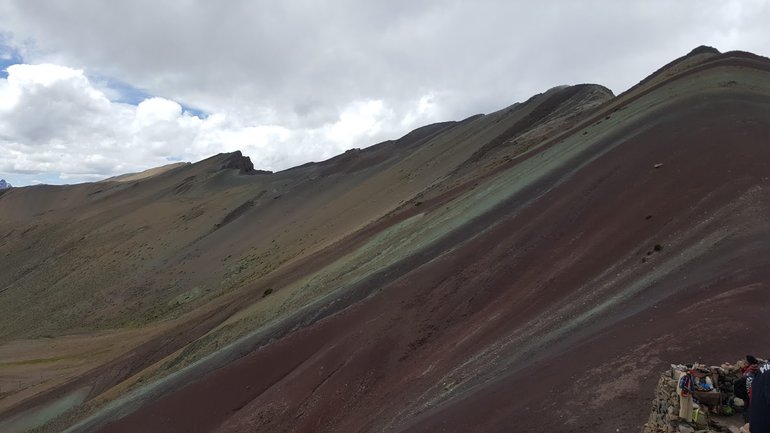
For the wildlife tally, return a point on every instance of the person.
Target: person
(760, 401)
(742, 387)
(750, 372)
(684, 389)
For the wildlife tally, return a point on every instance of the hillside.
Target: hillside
(530, 270)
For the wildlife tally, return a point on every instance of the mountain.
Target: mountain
(529, 270)
(4, 185)
(130, 177)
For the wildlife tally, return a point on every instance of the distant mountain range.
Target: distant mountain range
(4, 184)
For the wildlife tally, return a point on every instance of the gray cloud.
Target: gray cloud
(299, 67)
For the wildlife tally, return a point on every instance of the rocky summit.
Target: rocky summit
(532, 269)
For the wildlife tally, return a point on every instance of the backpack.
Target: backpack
(685, 385)
(740, 389)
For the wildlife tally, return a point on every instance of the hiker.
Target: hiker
(684, 389)
(760, 400)
(742, 387)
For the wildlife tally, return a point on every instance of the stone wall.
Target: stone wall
(665, 407)
(664, 416)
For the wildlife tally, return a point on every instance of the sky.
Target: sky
(92, 88)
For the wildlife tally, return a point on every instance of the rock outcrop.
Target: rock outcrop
(243, 164)
(4, 185)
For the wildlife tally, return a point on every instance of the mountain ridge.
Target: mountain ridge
(449, 268)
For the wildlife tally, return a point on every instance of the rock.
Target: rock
(685, 429)
(243, 164)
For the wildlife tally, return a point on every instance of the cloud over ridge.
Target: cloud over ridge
(52, 118)
(292, 82)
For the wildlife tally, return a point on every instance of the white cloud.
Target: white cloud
(45, 75)
(156, 110)
(359, 121)
(53, 120)
(292, 81)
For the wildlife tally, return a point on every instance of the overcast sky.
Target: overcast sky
(94, 88)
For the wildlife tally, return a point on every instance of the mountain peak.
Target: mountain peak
(236, 160)
(703, 49)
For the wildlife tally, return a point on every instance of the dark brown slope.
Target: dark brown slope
(512, 284)
(704, 296)
(553, 310)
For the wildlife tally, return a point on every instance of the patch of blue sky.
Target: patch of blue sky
(26, 179)
(194, 111)
(8, 56)
(119, 91)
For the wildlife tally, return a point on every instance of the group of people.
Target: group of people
(700, 384)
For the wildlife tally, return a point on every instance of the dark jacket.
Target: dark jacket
(760, 401)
